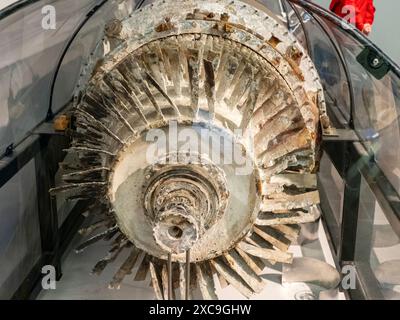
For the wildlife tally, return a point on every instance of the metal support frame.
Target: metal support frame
(354, 164)
(46, 166)
(46, 148)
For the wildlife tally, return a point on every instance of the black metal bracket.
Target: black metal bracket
(342, 135)
(13, 162)
(373, 62)
(47, 128)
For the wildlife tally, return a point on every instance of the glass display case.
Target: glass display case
(359, 178)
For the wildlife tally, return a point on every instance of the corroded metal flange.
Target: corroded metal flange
(148, 192)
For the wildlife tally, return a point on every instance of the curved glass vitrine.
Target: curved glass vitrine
(361, 86)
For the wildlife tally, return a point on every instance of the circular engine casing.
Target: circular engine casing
(197, 130)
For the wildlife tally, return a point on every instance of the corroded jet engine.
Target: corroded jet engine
(196, 130)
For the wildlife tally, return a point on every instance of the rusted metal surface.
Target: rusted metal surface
(206, 70)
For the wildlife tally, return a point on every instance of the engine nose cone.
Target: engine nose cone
(176, 231)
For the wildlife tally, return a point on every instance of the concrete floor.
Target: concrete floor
(77, 283)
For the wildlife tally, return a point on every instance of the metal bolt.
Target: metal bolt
(375, 62)
(304, 295)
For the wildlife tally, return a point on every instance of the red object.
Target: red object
(364, 11)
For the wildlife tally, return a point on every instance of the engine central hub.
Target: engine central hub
(170, 195)
(185, 196)
(176, 230)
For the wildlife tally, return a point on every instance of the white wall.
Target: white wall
(5, 3)
(386, 31)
